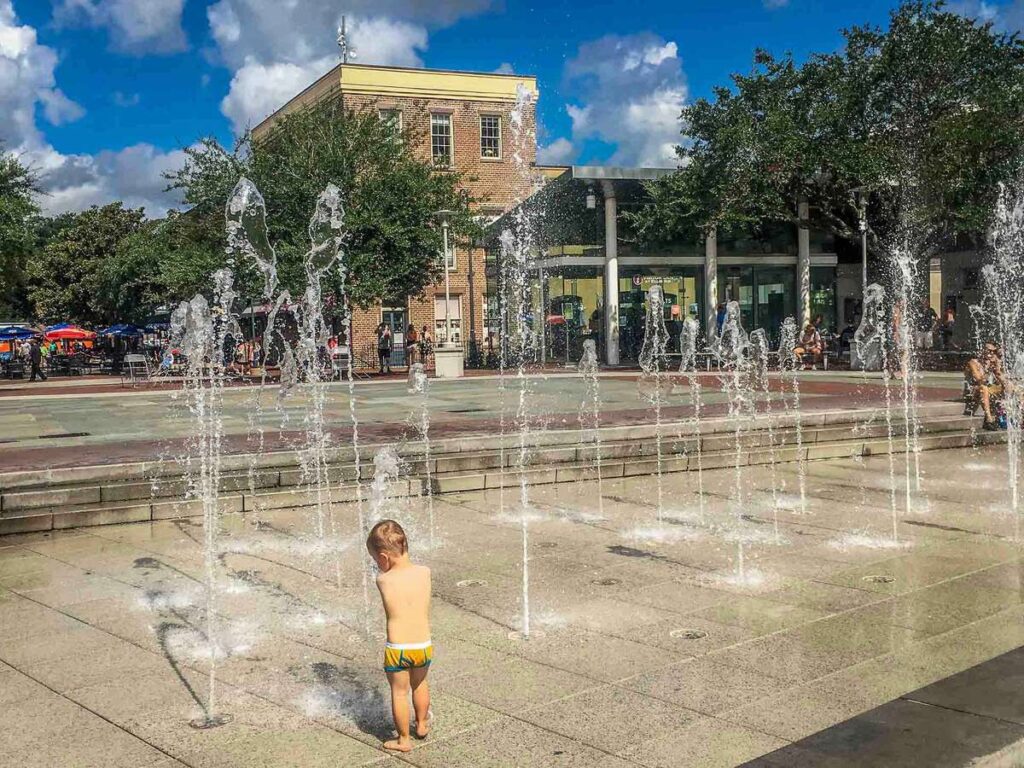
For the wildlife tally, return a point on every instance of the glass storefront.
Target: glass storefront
(682, 287)
(823, 298)
(574, 299)
(766, 295)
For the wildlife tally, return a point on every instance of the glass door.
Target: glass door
(394, 318)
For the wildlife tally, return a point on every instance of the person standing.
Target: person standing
(384, 341)
(947, 328)
(412, 345)
(35, 358)
(426, 345)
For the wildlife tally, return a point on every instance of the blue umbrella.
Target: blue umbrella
(16, 333)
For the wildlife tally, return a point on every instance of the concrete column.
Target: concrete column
(611, 275)
(711, 282)
(803, 266)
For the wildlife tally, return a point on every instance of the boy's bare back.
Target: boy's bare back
(405, 592)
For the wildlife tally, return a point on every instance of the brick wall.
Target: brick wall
(496, 183)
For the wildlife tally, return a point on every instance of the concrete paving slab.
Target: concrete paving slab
(704, 686)
(611, 718)
(646, 652)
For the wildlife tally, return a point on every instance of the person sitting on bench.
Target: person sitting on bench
(984, 383)
(810, 345)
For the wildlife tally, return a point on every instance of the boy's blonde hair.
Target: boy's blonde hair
(387, 536)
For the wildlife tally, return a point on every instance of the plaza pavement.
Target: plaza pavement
(57, 424)
(646, 650)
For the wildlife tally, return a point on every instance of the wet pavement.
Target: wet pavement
(78, 426)
(648, 649)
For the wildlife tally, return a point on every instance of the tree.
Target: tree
(391, 196)
(924, 118)
(69, 279)
(18, 189)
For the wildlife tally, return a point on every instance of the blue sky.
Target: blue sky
(103, 94)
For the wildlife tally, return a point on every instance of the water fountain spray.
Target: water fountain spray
(788, 365)
(903, 259)
(246, 221)
(688, 364)
(734, 354)
(872, 340)
(419, 384)
(1002, 279)
(590, 411)
(200, 334)
(518, 246)
(652, 356)
(759, 376)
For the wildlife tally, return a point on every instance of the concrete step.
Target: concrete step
(60, 513)
(676, 438)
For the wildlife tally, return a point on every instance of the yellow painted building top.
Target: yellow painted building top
(432, 83)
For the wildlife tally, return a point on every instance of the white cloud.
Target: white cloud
(135, 26)
(559, 152)
(133, 174)
(257, 90)
(72, 182)
(275, 48)
(1005, 17)
(772, 5)
(504, 69)
(629, 92)
(58, 108)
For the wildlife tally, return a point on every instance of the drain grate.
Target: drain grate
(606, 582)
(547, 545)
(688, 634)
(471, 583)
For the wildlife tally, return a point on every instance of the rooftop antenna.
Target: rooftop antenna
(347, 52)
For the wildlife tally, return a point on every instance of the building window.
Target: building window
(490, 137)
(455, 315)
(393, 119)
(441, 140)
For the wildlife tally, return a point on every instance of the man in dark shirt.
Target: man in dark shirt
(35, 357)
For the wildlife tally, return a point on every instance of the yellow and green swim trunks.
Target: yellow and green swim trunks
(400, 657)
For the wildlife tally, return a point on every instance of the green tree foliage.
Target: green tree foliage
(925, 116)
(71, 276)
(390, 196)
(18, 188)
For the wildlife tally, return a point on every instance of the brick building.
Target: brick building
(460, 121)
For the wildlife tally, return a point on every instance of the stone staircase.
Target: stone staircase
(121, 493)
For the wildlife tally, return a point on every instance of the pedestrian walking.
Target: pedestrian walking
(35, 358)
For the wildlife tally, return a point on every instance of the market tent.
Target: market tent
(68, 333)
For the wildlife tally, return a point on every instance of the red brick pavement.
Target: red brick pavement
(820, 395)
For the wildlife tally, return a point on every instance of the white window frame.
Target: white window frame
(398, 114)
(496, 116)
(451, 140)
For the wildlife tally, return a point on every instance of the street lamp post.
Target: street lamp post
(448, 359)
(447, 283)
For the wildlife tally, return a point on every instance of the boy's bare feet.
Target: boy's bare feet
(422, 730)
(398, 745)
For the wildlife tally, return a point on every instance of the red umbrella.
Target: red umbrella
(71, 333)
